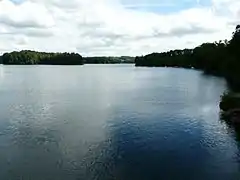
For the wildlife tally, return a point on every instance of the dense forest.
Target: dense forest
(32, 57)
(108, 60)
(220, 58)
(28, 57)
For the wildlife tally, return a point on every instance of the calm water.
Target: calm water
(113, 122)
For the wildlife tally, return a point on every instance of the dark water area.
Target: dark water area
(118, 122)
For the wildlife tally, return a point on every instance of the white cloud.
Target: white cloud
(28, 14)
(107, 27)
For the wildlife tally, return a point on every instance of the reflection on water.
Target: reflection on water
(1, 72)
(113, 122)
(232, 127)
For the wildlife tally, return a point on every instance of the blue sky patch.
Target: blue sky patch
(17, 1)
(164, 6)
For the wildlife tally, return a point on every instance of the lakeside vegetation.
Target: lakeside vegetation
(230, 101)
(108, 60)
(230, 104)
(27, 57)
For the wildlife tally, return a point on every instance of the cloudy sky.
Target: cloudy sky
(114, 27)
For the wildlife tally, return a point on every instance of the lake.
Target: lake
(103, 122)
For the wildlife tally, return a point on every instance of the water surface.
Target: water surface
(113, 122)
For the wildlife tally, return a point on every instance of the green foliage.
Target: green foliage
(108, 60)
(176, 58)
(33, 57)
(219, 58)
(230, 101)
(1, 60)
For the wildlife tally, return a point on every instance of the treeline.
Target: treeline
(219, 58)
(27, 57)
(108, 60)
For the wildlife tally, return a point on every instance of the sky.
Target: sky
(114, 27)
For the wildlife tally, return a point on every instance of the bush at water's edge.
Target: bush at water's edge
(230, 101)
(230, 106)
